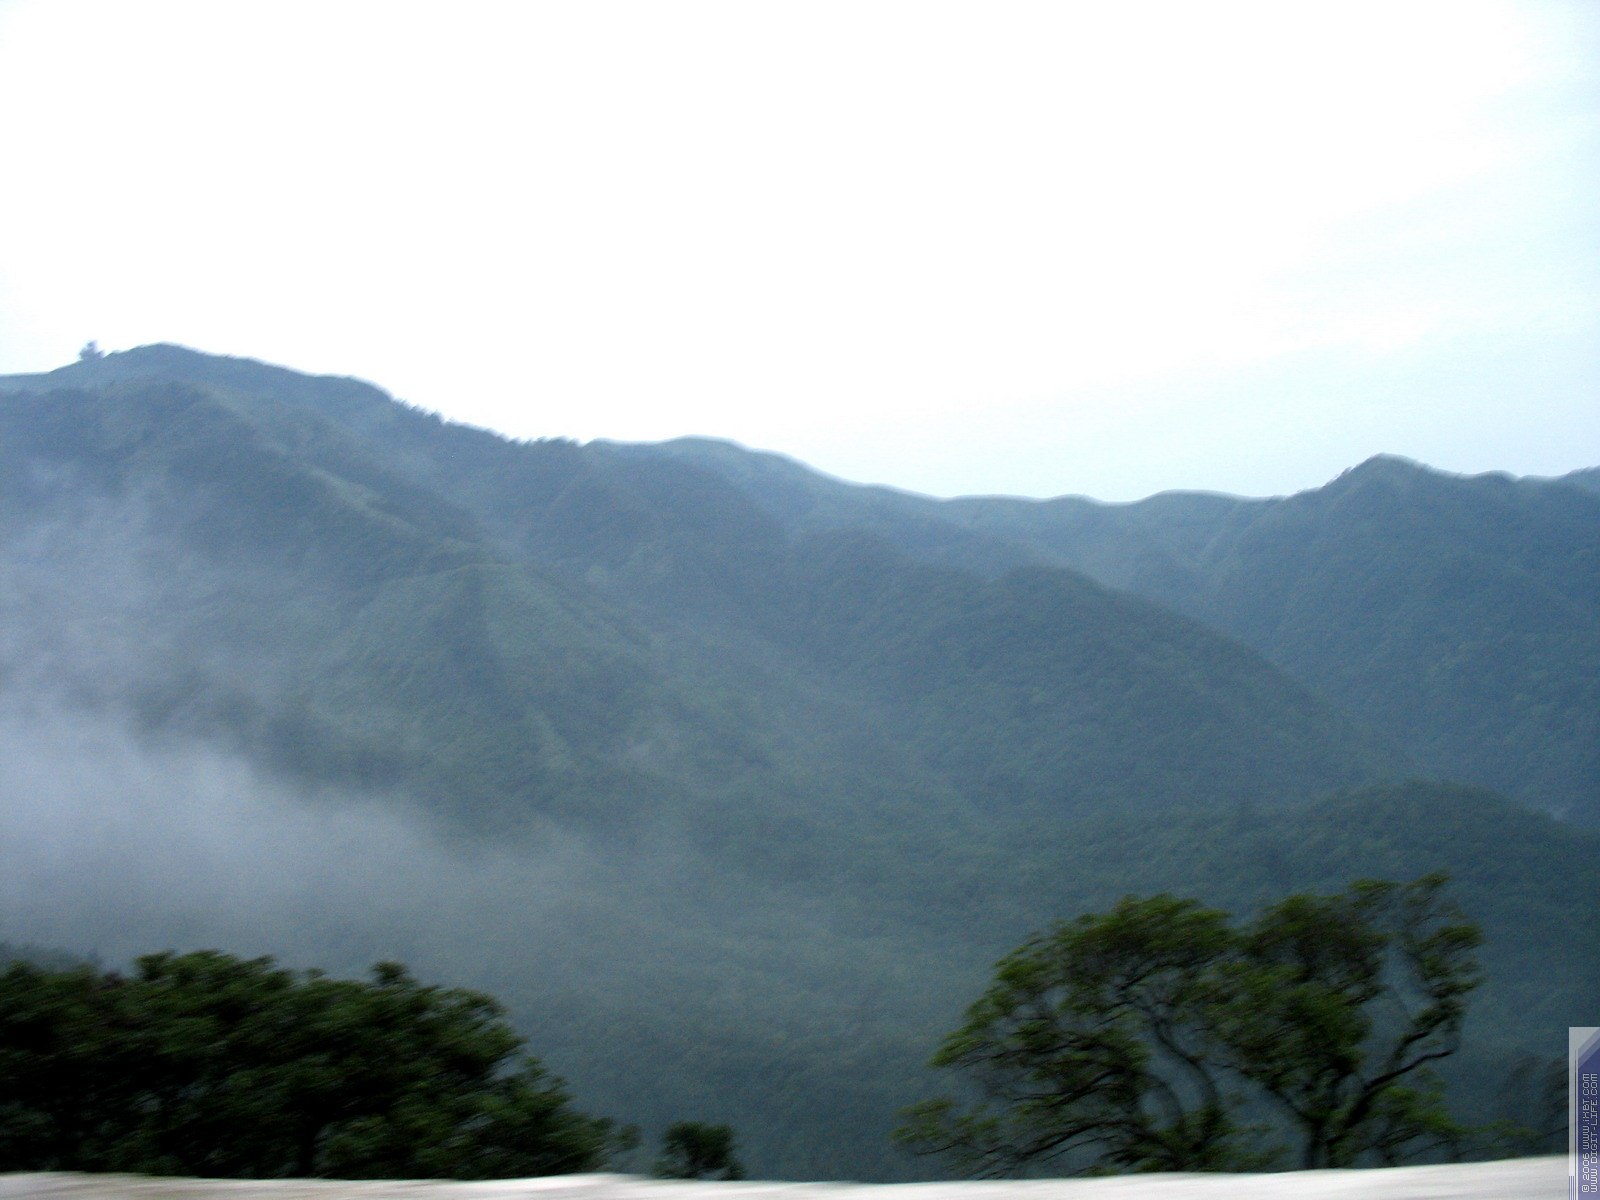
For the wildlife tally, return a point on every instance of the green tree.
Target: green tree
(205, 1064)
(1336, 1006)
(698, 1150)
(1094, 1038)
(1158, 1035)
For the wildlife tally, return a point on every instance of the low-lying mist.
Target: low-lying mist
(660, 986)
(118, 844)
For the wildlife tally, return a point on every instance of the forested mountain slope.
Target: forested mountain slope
(732, 795)
(543, 620)
(1460, 614)
(1588, 477)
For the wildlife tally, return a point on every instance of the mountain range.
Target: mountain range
(730, 777)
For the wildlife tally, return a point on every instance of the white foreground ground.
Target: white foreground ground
(1517, 1179)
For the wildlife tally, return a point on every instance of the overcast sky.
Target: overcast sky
(1104, 248)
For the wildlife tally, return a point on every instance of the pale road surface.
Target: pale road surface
(1516, 1179)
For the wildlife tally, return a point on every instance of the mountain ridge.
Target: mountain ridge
(1257, 568)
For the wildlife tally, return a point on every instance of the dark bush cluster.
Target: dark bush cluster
(206, 1064)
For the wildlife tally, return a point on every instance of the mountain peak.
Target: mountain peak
(1387, 466)
(181, 364)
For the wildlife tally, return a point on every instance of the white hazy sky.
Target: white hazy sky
(1097, 247)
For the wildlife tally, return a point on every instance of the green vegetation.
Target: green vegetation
(1117, 1041)
(1459, 614)
(204, 1064)
(735, 779)
(698, 1150)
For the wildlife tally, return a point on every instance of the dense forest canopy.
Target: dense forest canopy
(203, 1064)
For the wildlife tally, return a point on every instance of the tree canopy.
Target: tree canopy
(698, 1150)
(1160, 1036)
(206, 1064)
